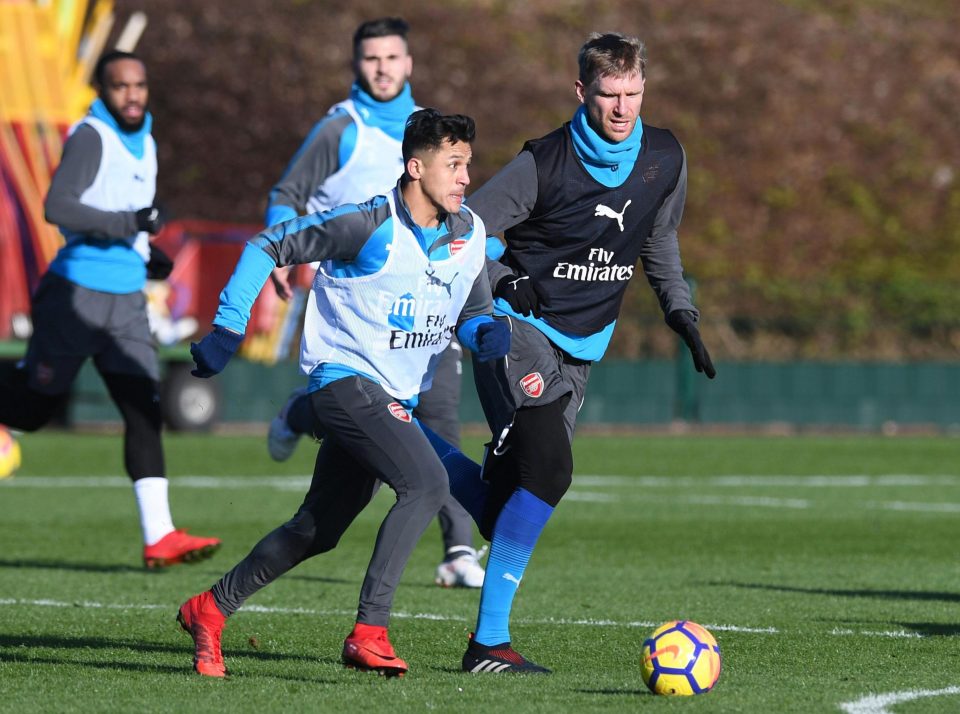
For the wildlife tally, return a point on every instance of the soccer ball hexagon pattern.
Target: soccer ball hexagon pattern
(680, 657)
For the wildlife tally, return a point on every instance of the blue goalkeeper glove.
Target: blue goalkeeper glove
(493, 340)
(213, 352)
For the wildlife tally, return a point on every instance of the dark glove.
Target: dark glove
(151, 219)
(493, 340)
(518, 290)
(681, 322)
(213, 352)
(160, 264)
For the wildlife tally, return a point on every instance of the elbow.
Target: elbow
(51, 213)
(57, 209)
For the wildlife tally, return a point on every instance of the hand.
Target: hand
(151, 219)
(519, 291)
(160, 264)
(213, 352)
(493, 340)
(681, 322)
(280, 277)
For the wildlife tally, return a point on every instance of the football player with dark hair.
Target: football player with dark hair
(399, 275)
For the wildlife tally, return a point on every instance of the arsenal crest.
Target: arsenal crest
(44, 373)
(532, 385)
(397, 410)
(457, 245)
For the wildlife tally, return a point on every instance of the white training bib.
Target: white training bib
(372, 169)
(392, 324)
(123, 182)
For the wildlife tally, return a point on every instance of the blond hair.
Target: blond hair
(611, 54)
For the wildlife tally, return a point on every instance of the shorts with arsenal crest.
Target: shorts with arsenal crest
(370, 438)
(535, 373)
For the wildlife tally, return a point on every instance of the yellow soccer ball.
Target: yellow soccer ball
(9, 453)
(680, 657)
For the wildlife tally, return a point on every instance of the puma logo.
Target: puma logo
(433, 280)
(608, 212)
(512, 578)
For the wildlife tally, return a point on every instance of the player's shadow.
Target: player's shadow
(616, 692)
(65, 642)
(931, 629)
(920, 595)
(78, 567)
(924, 629)
(20, 646)
(533, 677)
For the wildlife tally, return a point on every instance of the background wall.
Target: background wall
(777, 397)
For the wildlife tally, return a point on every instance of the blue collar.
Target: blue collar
(133, 140)
(390, 116)
(595, 149)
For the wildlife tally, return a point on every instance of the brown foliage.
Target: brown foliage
(823, 216)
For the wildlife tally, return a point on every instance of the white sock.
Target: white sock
(155, 518)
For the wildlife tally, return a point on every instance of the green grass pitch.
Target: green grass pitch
(826, 567)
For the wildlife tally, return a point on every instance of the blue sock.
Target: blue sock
(464, 474)
(514, 536)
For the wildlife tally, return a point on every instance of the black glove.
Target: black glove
(151, 219)
(212, 353)
(681, 322)
(160, 264)
(519, 291)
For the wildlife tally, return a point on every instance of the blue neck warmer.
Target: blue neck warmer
(607, 162)
(133, 140)
(391, 116)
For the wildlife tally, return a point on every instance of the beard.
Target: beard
(122, 122)
(368, 88)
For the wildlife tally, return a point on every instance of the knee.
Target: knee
(137, 398)
(143, 447)
(38, 409)
(431, 487)
(31, 422)
(437, 489)
(438, 496)
(544, 452)
(549, 474)
(303, 536)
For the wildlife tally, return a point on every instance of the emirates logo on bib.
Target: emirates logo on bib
(397, 410)
(532, 385)
(457, 245)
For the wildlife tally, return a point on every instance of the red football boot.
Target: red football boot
(203, 620)
(368, 648)
(179, 547)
